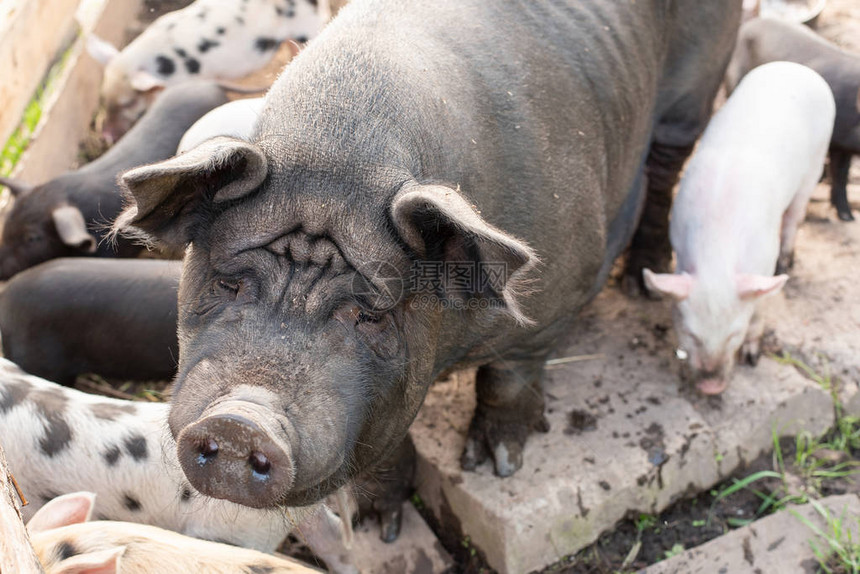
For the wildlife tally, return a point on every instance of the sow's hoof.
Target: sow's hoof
(383, 491)
(503, 440)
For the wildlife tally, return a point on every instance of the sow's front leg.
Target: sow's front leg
(510, 406)
(697, 60)
(383, 491)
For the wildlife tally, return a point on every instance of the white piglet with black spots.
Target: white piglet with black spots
(735, 218)
(59, 440)
(67, 543)
(210, 39)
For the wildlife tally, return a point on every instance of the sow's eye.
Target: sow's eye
(372, 327)
(232, 288)
(229, 287)
(365, 317)
(362, 319)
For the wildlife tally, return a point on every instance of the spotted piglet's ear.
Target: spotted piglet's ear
(143, 81)
(441, 226)
(65, 510)
(164, 200)
(101, 51)
(101, 562)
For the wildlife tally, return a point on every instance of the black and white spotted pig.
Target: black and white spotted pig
(59, 440)
(67, 543)
(210, 39)
(112, 317)
(764, 40)
(67, 215)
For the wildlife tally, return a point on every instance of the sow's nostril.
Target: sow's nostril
(260, 463)
(231, 457)
(208, 450)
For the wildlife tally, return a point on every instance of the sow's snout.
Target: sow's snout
(238, 450)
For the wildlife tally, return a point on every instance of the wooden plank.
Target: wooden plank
(32, 32)
(16, 552)
(67, 116)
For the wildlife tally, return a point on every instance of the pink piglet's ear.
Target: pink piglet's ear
(675, 285)
(64, 510)
(755, 286)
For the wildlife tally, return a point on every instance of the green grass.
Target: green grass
(674, 551)
(843, 438)
(20, 139)
(466, 543)
(816, 459)
(644, 522)
(840, 549)
(823, 380)
(417, 502)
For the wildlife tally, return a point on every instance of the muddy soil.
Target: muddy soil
(642, 540)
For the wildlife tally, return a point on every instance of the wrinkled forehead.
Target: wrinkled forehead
(301, 229)
(321, 228)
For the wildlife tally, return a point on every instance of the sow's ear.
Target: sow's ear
(440, 225)
(65, 510)
(164, 199)
(72, 228)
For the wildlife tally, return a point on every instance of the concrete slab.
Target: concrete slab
(653, 440)
(417, 551)
(778, 543)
